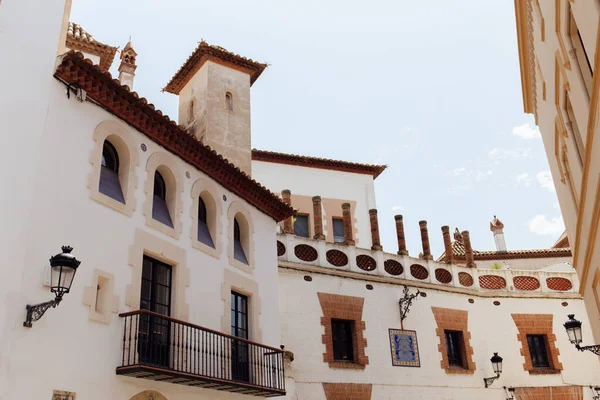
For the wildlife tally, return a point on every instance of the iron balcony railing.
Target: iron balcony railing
(162, 348)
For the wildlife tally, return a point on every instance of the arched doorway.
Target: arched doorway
(149, 395)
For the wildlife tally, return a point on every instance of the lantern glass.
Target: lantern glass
(64, 266)
(573, 328)
(496, 363)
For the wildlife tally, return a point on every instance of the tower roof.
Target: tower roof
(496, 224)
(80, 40)
(206, 52)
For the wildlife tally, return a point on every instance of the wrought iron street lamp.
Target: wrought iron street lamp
(62, 271)
(497, 366)
(573, 328)
(510, 393)
(595, 392)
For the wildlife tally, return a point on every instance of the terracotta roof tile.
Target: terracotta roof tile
(315, 162)
(80, 40)
(117, 99)
(459, 253)
(206, 52)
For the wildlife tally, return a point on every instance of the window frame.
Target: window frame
(159, 200)
(303, 215)
(338, 342)
(229, 101)
(333, 223)
(457, 350)
(237, 210)
(537, 347)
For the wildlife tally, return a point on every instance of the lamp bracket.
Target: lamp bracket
(593, 348)
(37, 311)
(406, 301)
(488, 381)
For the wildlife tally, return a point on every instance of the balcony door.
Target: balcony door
(154, 332)
(240, 363)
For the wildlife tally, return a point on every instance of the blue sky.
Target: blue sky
(430, 88)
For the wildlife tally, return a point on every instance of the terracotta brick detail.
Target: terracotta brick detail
(470, 260)
(318, 218)
(425, 240)
(288, 223)
(454, 320)
(374, 230)
(549, 393)
(400, 233)
(347, 391)
(449, 253)
(348, 231)
(537, 324)
(350, 308)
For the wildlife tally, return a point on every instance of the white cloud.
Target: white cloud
(397, 207)
(460, 188)
(541, 225)
(456, 171)
(526, 131)
(544, 178)
(499, 154)
(523, 179)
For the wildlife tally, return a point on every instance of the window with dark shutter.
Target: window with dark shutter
(343, 339)
(160, 210)
(338, 230)
(301, 226)
(538, 351)
(454, 348)
(109, 184)
(203, 231)
(238, 249)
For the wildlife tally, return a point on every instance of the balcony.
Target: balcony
(161, 348)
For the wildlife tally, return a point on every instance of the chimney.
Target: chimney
(128, 66)
(425, 240)
(318, 218)
(496, 226)
(400, 233)
(288, 223)
(348, 234)
(374, 230)
(448, 244)
(468, 250)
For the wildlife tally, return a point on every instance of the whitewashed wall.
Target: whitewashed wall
(325, 183)
(65, 350)
(492, 330)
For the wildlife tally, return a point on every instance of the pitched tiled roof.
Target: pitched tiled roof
(115, 98)
(206, 52)
(315, 162)
(563, 241)
(80, 40)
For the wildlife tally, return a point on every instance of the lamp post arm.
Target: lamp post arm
(593, 348)
(36, 311)
(488, 381)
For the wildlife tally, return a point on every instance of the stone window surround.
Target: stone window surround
(335, 306)
(110, 301)
(537, 324)
(155, 247)
(233, 281)
(448, 319)
(347, 391)
(166, 165)
(121, 137)
(239, 209)
(209, 191)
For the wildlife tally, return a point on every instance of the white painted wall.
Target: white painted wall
(492, 330)
(65, 350)
(325, 183)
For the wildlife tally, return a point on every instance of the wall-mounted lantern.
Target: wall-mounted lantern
(510, 393)
(62, 271)
(595, 392)
(497, 366)
(573, 328)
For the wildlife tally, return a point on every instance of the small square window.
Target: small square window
(538, 351)
(455, 348)
(343, 339)
(301, 226)
(338, 230)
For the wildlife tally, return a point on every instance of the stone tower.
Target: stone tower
(128, 66)
(214, 100)
(497, 228)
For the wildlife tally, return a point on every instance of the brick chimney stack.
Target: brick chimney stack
(400, 233)
(318, 218)
(468, 250)
(288, 223)
(425, 240)
(448, 244)
(347, 216)
(374, 230)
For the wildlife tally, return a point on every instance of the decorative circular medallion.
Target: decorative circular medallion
(143, 147)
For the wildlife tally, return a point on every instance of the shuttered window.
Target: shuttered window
(204, 235)
(109, 184)
(160, 210)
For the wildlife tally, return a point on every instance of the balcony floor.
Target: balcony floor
(181, 378)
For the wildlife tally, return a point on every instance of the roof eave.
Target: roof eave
(524, 46)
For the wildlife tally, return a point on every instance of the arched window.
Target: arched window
(109, 184)
(191, 115)
(229, 101)
(204, 235)
(238, 248)
(160, 211)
